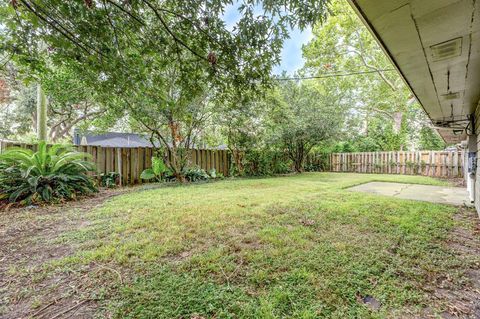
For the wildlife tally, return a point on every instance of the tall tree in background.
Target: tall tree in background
(430, 140)
(42, 105)
(242, 119)
(381, 100)
(71, 103)
(306, 116)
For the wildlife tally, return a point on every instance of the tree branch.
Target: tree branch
(174, 36)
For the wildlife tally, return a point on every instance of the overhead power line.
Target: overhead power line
(332, 75)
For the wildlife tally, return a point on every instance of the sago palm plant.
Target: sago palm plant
(49, 174)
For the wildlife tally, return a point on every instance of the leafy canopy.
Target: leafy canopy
(128, 44)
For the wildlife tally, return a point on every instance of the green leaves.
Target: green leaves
(51, 173)
(304, 117)
(137, 41)
(148, 174)
(157, 171)
(158, 166)
(383, 114)
(196, 174)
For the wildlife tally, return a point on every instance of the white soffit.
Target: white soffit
(412, 33)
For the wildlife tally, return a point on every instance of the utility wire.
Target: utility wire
(331, 75)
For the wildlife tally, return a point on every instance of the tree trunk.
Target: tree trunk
(237, 157)
(176, 166)
(177, 158)
(41, 114)
(299, 165)
(180, 177)
(299, 157)
(397, 119)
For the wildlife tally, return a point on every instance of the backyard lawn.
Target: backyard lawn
(300, 246)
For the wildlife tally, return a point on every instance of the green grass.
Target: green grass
(286, 247)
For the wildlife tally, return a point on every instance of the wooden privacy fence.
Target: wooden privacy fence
(427, 163)
(130, 162)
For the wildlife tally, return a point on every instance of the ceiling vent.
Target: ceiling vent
(447, 50)
(451, 96)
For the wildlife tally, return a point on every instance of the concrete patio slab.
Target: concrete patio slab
(436, 194)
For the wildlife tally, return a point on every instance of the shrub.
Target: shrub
(110, 179)
(215, 175)
(313, 167)
(266, 162)
(196, 174)
(49, 174)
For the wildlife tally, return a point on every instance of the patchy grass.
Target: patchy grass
(285, 247)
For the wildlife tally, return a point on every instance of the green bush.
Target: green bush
(215, 175)
(266, 162)
(196, 174)
(313, 167)
(50, 174)
(110, 179)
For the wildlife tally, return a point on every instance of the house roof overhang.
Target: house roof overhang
(435, 46)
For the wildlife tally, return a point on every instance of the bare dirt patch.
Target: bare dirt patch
(28, 240)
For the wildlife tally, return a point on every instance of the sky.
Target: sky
(292, 59)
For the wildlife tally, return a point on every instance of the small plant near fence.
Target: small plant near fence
(423, 165)
(413, 166)
(158, 172)
(410, 164)
(110, 179)
(313, 167)
(196, 174)
(215, 175)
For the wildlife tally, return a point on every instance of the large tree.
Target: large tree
(381, 102)
(133, 52)
(242, 120)
(176, 121)
(306, 115)
(138, 39)
(71, 103)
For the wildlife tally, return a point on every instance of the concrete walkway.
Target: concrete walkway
(436, 194)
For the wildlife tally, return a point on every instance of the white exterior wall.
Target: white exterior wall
(477, 175)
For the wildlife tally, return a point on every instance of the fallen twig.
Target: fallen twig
(43, 308)
(113, 270)
(70, 309)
